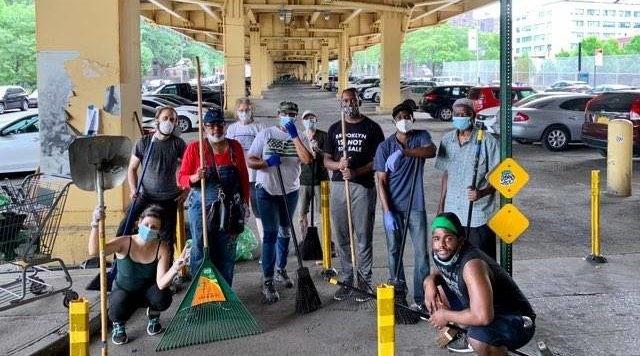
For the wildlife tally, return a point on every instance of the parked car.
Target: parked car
(13, 97)
(489, 96)
(178, 100)
(555, 120)
(187, 114)
(147, 119)
(448, 80)
(185, 90)
(603, 88)
(33, 99)
(575, 86)
(608, 106)
(438, 101)
(364, 83)
(19, 144)
(412, 93)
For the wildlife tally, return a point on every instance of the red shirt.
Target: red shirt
(191, 163)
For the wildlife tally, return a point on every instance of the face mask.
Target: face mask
(165, 127)
(244, 116)
(461, 122)
(309, 124)
(146, 233)
(404, 126)
(452, 260)
(215, 138)
(351, 111)
(284, 119)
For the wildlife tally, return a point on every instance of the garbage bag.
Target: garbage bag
(246, 243)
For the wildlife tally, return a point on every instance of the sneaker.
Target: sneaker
(342, 293)
(153, 326)
(422, 309)
(361, 297)
(119, 334)
(270, 293)
(460, 344)
(283, 279)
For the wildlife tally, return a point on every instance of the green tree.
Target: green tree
(633, 47)
(489, 45)
(146, 58)
(524, 69)
(17, 43)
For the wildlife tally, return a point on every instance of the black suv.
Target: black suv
(438, 101)
(13, 97)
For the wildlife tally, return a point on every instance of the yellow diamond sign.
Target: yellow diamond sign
(508, 178)
(509, 223)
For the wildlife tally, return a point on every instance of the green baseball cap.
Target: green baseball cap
(288, 107)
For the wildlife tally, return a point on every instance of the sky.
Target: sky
(524, 5)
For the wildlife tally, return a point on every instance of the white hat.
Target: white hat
(308, 112)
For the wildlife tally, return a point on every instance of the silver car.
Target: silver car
(554, 120)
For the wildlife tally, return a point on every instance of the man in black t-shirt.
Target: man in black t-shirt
(363, 136)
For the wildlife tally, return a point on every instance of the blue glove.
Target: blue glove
(273, 160)
(389, 221)
(291, 129)
(392, 162)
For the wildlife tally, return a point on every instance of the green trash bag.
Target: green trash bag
(246, 243)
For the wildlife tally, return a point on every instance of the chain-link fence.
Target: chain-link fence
(540, 72)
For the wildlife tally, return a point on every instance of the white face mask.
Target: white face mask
(244, 116)
(404, 126)
(165, 127)
(215, 138)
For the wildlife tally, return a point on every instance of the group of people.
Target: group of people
(271, 168)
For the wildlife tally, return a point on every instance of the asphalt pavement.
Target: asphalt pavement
(582, 309)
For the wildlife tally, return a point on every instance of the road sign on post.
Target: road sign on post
(508, 178)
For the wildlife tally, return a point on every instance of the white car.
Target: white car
(19, 143)
(372, 94)
(413, 93)
(187, 114)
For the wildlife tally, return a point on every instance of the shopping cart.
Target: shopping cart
(29, 222)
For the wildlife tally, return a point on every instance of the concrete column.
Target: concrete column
(255, 54)
(390, 42)
(98, 65)
(233, 12)
(324, 61)
(264, 77)
(344, 60)
(314, 69)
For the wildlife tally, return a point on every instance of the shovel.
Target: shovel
(99, 163)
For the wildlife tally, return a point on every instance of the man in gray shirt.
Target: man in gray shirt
(455, 158)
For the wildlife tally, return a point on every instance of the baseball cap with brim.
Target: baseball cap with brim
(402, 107)
(464, 102)
(288, 107)
(213, 116)
(308, 112)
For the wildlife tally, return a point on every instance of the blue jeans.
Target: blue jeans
(418, 232)
(222, 247)
(277, 230)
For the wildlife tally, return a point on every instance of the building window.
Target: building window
(612, 13)
(578, 11)
(608, 35)
(608, 24)
(593, 24)
(627, 14)
(636, 25)
(636, 14)
(578, 23)
(538, 49)
(593, 12)
(624, 24)
(578, 35)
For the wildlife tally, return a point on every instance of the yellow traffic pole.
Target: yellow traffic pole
(595, 257)
(326, 229)
(79, 327)
(619, 157)
(386, 320)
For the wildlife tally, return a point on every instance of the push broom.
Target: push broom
(307, 298)
(210, 310)
(310, 246)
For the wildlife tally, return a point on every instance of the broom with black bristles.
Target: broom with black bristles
(310, 246)
(307, 298)
(402, 317)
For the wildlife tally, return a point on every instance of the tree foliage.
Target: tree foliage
(17, 43)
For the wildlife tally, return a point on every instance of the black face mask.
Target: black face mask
(351, 111)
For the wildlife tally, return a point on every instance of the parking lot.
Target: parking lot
(582, 309)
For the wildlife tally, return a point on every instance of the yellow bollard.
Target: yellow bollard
(326, 225)
(595, 257)
(386, 320)
(79, 327)
(619, 157)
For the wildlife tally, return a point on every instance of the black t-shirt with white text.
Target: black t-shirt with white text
(363, 139)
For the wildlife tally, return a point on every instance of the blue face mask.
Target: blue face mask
(309, 124)
(146, 233)
(284, 119)
(461, 122)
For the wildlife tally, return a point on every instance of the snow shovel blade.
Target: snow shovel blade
(107, 154)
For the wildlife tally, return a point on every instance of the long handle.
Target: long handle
(313, 187)
(405, 228)
(347, 194)
(203, 204)
(103, 263)
(475, 176)
(286, 207)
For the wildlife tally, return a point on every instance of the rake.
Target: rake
(210, 310)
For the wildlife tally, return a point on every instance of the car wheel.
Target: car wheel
(2, 108)
(445, 114)
(25, 105)
(375, 98)
(555, 138)
(184, 123)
